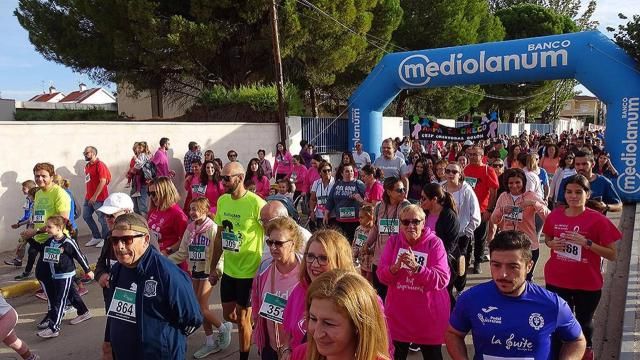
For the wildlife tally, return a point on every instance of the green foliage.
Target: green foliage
(428, 24)
(569, 8)
(258, 97)
(529, 20)
(65, 115)
(628, 36)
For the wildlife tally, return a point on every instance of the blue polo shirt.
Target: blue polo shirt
(513, 327)
(601, 188)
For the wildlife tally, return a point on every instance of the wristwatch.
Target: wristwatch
(589, 243)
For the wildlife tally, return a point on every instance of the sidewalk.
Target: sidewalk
(11, 288)
(630, 347)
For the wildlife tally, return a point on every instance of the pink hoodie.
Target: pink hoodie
(524, 217)
(293, 321)
(417, 305)
(282, 164)
(312, 175)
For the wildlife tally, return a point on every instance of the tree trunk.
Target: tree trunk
(400, 103)
(314, 102)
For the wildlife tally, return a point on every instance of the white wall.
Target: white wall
(7, 109)
(99, 97)
(27, 143)
(391, 128)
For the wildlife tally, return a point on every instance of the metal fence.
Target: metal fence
(327, 134)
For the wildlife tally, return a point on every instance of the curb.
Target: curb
(30, 286)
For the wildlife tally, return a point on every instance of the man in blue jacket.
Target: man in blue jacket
(153, 308)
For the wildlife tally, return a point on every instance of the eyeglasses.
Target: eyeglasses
(127, 239)
(277, 244)
(497, 165)
(401, 190)
(451, 171)
(114, 215)
(228, 178)
(326, 170)
(151, 193)
(311, 257)
(407, 222)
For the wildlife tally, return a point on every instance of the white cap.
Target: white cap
(468, 143)
(116, 202)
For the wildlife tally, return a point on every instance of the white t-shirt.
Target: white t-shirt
(361, 159)
(322, 195)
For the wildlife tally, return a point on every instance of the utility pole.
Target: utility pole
(277, 61)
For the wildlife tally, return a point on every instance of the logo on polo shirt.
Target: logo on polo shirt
(489, 319)
(150, 288)
(489, 309)
(536, 321)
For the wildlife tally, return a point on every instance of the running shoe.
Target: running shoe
(33, 357)
(413, 347)
(224, 335)
(80, 318)
(48, 333)
(23, 276)
(206, 350)
(93, 242)
(100, 244)
(44, 324)
(14, 262)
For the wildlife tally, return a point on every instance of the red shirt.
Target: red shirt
(482, 178)
(578, 268)
(93, 172)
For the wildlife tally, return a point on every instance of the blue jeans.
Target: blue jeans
(141, 203)
(87, 215)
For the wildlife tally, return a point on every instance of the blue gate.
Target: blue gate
(327, 134)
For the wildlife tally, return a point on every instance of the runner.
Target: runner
(8, 321)
(344, 202)
(240, 236)
(580, 238)
(97, 178)
(319, 194)
(509, 317)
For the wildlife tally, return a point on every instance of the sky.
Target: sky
(25, 73)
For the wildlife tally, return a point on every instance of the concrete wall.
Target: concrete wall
(7, 109)
(27, 143)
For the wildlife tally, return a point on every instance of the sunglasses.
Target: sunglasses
(127, 239)
(497, 165)
(228, 178)
(321, 259)
(451, 171)
(151, 193)
(400, 190)
(407, 222)
(277, 244)
(112, 216)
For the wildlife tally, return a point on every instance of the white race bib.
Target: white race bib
(421, 258)
(196, 253)
(389, 226)
(272, 307)
(361, 239)
(471, 181)
(347, 213)
(513, 213)
(571, 251)
(51, 254)
(199, 189)
(38, 216)
(230, 242)
(123, 305)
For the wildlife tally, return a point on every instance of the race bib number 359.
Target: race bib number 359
(123, 305)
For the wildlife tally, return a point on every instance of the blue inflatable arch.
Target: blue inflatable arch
(590, 57)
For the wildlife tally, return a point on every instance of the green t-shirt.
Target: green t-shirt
(242, 234)
(48, 203)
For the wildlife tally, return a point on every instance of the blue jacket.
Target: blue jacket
(167, 310)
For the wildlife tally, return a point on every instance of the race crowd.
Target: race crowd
(356, 260)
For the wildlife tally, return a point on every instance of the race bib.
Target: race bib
(199, 189)
(293, 177)
(38, 216)
(347, 213)
(196, 253)
(389, 226)
(471, 181)
(112, 262)
(489, 357)
(51, 254)
(361, 239)
(421, 258)
(272, 307)
(123, 305)
(513, 213)
(571, 251)
(322, 203)
(230, 242)
(87, 178)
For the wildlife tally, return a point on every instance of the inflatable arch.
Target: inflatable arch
(590, 57)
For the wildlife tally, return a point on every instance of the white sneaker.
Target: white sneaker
(48, 333)
(100, 244)
(80, 318)
(206, 350)
(224, 335)
(93, 242)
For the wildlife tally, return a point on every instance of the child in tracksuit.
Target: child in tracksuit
(59, 252)
(29, 189)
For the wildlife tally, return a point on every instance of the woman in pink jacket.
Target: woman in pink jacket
(255, 174)
(272, 286)
(516, 209)
(282, 162)
(297, 176)
(415, 269)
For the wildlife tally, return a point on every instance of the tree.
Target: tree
(430, 24)
(523, 21)
(628, 36)
(570, 8)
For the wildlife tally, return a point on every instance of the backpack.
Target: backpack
(149, 170)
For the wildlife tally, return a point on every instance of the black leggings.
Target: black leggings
(34, 248)
(429, 352)
(479, 236)
(584, 304)
(535, 255)
(381, 288)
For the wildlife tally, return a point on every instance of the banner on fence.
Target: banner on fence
(424, 128)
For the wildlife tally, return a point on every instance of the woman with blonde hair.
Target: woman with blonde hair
(167, 221)
(272, 286)
(357, 327)
(326, 250)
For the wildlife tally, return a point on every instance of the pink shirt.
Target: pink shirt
(312, 175)
(298, 174)
(283, 285)
(214, 191)
(161, 160)
(282, 163)
(262, 186)
(416, 299)
(168, 225)
(373, 193)
(294, 322)
(579, 268)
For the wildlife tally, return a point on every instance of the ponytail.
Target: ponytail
(445, 199)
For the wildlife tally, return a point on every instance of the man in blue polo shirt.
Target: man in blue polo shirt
(603, 195)
(510, 318)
